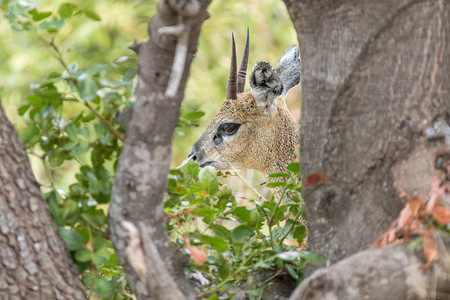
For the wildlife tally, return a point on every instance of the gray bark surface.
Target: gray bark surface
(34, 260)
(375, 112)
(145, 159)
(385, 273)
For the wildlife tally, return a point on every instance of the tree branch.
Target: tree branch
(145, 159)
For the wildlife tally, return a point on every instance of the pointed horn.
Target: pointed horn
(243, 68)
(232, 85)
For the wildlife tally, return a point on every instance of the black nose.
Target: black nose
(192, 153)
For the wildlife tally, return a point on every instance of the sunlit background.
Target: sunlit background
(24, 58)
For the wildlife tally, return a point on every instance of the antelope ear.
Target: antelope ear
(289, 69)
(266, 86)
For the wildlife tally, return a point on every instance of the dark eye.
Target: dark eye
(228, 128)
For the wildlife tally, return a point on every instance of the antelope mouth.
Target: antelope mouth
(208, 163)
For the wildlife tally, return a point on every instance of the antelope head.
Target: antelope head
(253, 129)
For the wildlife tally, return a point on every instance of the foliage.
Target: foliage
(246, 245)
(56, 133)
(64, 103)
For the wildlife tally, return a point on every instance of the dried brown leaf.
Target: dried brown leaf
(442, 214)
(434, 193)
(409, 212)
(291, 242)
(402, 194)
(198, 255)
(315, 179)
(430, 252)
(380, 242)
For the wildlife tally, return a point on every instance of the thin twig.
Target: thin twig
(246, 182)
(181, 213)
(113, 131)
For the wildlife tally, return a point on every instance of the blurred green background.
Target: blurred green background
(25, 60)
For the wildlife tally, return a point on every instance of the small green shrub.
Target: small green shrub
(246, 246)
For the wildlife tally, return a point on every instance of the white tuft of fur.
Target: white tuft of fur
(289, 69)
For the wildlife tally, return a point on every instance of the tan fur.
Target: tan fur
(265, 141)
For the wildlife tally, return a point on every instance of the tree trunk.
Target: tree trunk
(375, 120)
(137, 219)
(375, 82)
(35, 261)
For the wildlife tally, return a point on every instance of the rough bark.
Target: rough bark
(144, 162)
(34, 260)
(385, 273)
(375, 112)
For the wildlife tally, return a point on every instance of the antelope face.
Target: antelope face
(246, 131)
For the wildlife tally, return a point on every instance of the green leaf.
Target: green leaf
(72, 131)
(254, 217)
(36, 100)
(213, 297)
(92, 14)
(76, 189)
(23, 109)
(275, 175)
(206, 212)
(94, 187)
(88, 89)
(54, 75)
(52, 202)
(294, 167)
(99, 259)
(28, 134)
(103, 287)
(112, 83)
(79, 149)
(83, 255)
(100, 69)
(53, 25)
(242, 213)
(240, 234)
(215, 243)
(312, 258)
(291, 271)
(73, 240)
(97, 220)
(275, 184)
(194, 115)
(415, 244)
(100, 129)
(70, 211)
(102, 173)
(192, 168)
(303, 212)
(66, 9)
(221, 231)
(56, 159)
(207, 176)
(40, 15)
(87, 172)
(299, 233)
(129, 74)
